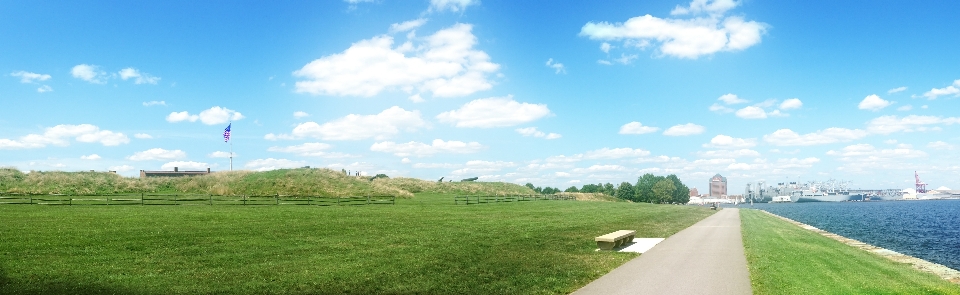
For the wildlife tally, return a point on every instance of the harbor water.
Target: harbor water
(928, 230)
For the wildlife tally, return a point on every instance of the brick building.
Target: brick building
(718, 186)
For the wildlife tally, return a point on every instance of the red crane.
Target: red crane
(921, 187)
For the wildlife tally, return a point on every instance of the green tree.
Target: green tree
(572, 189)
(644, 188)
(624, 191)
(608, 189)
(591, 188)
(663, 191)
(530, 186)
(682, 194)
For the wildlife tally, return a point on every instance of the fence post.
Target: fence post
(277, 197)
(338, 200)
(211, 199)
(141, 199)
(108, 200)
(368, 199)
(244, 199)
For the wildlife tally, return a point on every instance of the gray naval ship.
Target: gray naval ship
(814, 191)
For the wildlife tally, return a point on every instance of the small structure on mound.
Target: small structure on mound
(175, 173)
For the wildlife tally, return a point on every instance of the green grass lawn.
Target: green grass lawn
(786, 259)
(422, 245)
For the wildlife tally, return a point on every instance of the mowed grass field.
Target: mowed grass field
(786, 259)
(422, 245)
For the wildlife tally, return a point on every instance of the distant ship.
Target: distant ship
(814, 191)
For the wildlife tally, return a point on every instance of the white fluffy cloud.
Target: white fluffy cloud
(435, 165)
(444, 64)
(310, 149)
(59, 135)
(762, 110)
(615, 153)
(558, 67)
(91, 157)
(683, 38)
(273, 164)
(705, 6)
(949, 90)
(89, 73)
(684, 130)
(873, 103)
(407, 25)
(479, 167)
(751, 112)
(157, 154)
(211, 116)
(181, 116)
(912, 123)
(729, 154)
(494, 112)
(29, 77)
(355, 127)
(300, 114)
(185, 165)
(726, 99)
(451, 5)
(637, 128)
(790, 104)
(787, 137)
(143, 136)
(532, 131)
(940, 145)
(122, 168)
(44, 88)
(898, 89)
(154, 103)
(600, 168)
(137, 76)
(728, 142)
(731, 98)
(420, 149)
(861, 156)
(221, 154)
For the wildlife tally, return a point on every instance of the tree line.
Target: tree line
(648, 189)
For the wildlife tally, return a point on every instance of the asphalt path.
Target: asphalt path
(706, 258)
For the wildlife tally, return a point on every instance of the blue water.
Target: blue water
(929, 230)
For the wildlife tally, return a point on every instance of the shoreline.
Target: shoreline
(942, 271)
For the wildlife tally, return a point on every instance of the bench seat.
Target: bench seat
(615, 239)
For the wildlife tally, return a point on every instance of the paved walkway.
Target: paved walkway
(706, 258)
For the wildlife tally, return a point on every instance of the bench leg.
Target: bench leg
(606, 245)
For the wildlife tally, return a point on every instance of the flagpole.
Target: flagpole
(231, 152)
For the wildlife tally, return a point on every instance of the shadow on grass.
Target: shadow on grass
(58, 286)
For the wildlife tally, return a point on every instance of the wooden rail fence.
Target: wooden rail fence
(145, 199)
(487, 199)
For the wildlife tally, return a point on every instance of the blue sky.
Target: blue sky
(555, 93)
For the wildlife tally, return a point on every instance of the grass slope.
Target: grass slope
(295, 182)
(786, 259)
(423, 245)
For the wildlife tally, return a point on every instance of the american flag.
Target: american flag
(226, 133)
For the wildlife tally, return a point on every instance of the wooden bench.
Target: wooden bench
(615, 239)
